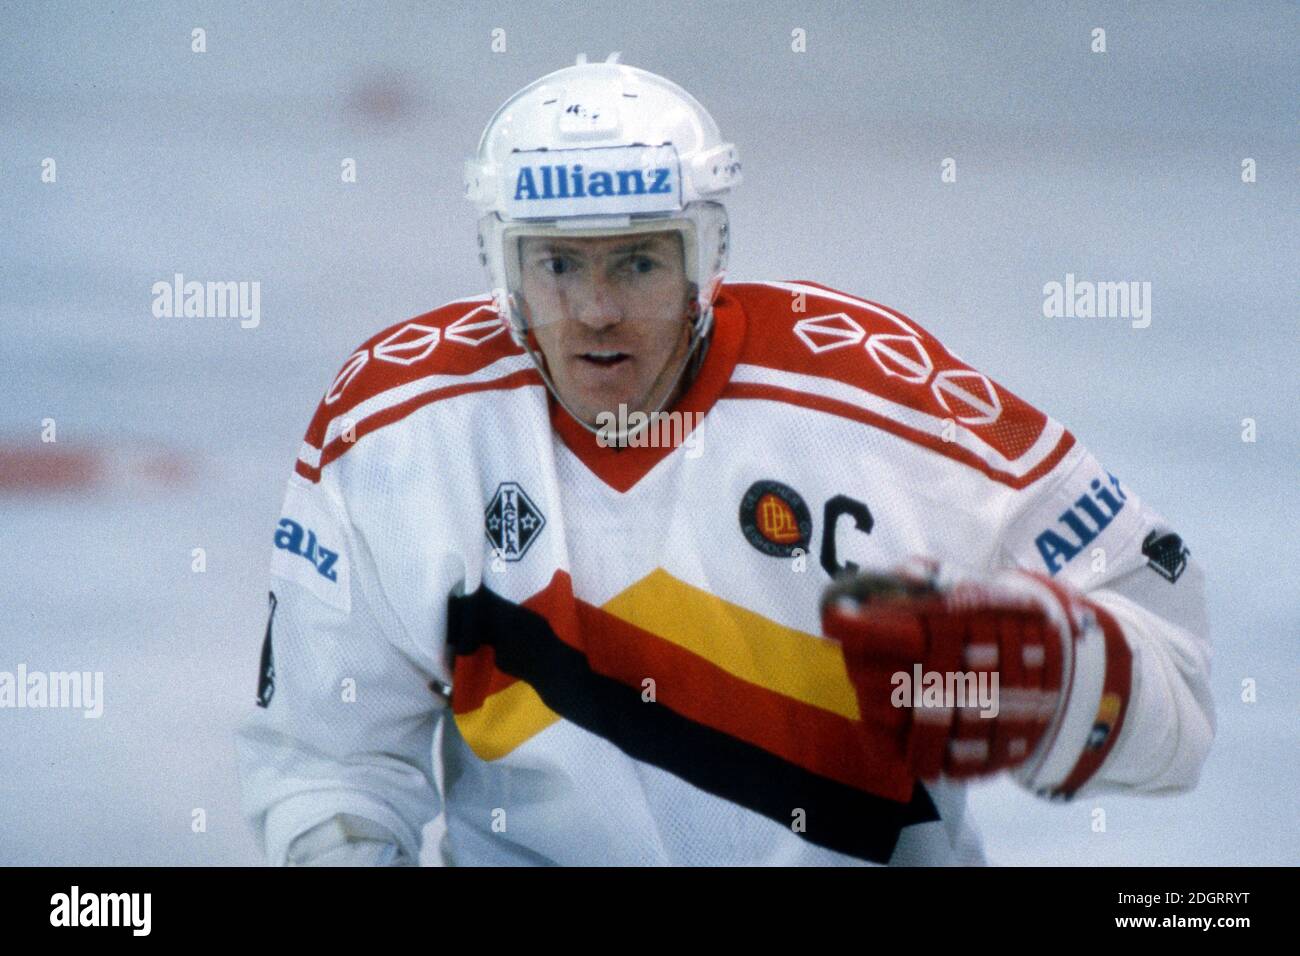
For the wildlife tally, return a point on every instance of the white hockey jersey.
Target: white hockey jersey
(581, 654)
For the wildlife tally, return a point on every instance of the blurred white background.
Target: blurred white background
(225, 165)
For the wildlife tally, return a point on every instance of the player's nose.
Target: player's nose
(599, 306)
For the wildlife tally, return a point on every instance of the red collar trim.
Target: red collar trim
(622, 468)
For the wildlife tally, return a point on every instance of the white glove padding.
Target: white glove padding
(347, 840)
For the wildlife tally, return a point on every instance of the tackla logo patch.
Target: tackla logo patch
(775, 519)
(1165, 554)
(512, 521)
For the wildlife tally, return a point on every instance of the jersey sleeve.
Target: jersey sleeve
(346, 704)
(1139, 717)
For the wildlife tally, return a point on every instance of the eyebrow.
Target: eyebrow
(549, 246)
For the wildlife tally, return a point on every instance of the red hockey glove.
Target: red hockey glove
(965, 672)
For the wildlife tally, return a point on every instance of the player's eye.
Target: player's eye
(556, 265)
(641, 264)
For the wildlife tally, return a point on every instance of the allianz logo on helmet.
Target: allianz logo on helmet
(594, 181)
(561, 182)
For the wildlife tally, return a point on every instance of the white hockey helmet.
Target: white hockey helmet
(600, 149)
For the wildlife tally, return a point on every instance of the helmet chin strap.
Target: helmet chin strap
(696, 350)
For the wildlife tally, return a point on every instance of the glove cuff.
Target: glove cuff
(1094, 705)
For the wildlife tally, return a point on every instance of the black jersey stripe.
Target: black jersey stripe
(836, 816)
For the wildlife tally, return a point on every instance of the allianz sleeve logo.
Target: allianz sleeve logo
(300, 554)
(1080, 525)
(292, 537)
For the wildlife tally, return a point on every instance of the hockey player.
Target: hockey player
(501, 599)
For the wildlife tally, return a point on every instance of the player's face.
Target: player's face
(610, 316)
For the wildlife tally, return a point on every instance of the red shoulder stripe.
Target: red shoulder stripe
(395, 413)
(772, 393)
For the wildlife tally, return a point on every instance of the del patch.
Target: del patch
(775, 519)
(310, 550)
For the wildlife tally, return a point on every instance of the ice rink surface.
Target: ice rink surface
(225, 165)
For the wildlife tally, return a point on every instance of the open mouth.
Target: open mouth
(605, 359)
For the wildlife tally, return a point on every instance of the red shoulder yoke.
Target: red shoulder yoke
(811, 345)
(460, 347)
